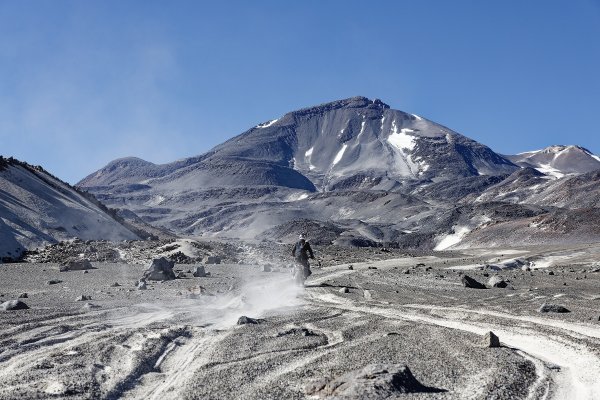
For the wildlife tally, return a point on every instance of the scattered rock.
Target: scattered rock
(23, 296)
(53, 282)
(350, 267)
(375, 381)
(595, 270)
(497, 282)
(161, 269)
(85, 271)
(344, 290)
(491, 340)
(555, 308)
(471, 283)
(212, 260)
(76, 265)
(243, 320)
(142, 285)
(199, 272)
(406, 271)
(550, 272)
(83, 298)
(297, 332)
(12, 305)
(371, 267)
(116, 284)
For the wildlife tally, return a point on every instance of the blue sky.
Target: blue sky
(85, 82)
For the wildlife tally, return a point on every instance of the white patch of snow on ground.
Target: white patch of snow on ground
(549, 170)
(417, 117)
(267, 124)
(595, 157)
(400, 139)
(362, 128)
(297, 197)
(309, 152)
(339, 155)
(452, 239)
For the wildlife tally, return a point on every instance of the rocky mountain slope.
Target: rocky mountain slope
(356, 172)
(36, 208)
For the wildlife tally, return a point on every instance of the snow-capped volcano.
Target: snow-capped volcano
(558, 161)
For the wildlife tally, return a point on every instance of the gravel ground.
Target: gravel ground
(179, 339)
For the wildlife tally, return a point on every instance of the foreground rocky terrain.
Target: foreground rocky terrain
(368, 324)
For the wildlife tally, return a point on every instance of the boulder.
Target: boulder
(161, 269)
(142, 285)
(491, 340)
(76, 265)
(212, 260)
(243, 320)
(497, 282)
(374, 381)
(12, 305)
(555, 308)
(200, 272)
(471, 283)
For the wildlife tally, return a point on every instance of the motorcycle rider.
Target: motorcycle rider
(302, 252)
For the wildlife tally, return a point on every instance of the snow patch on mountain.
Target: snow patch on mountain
(339, 155)
(267, 124)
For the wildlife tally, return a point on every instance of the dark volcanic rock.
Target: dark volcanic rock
(13, 305)
(161, 269)
(555, 308)
(375, 381)
(243, 320)
(53, 282)
(491, 340)
(199, 272)
(212, 260)
(83, 298)
(469, 282)
(23, 296)
(76, 265)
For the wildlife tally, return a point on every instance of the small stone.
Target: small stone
(344, 290)
(199, 272)
(243, 320)
(491, 340)
(555, 308)
(550, 272)
(116, 284)
(23, 296)
(85, 271)
(13, 305)
(83, 298)
(142, 285)
(350, 267)
(406, 271)
(371, 267)
(53, 282)
(471, 283)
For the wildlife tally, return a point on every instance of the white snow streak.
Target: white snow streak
(549, 170)
(451, 240)
(309, 152)
(267, 124)
(339, 155)
(417, 117)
